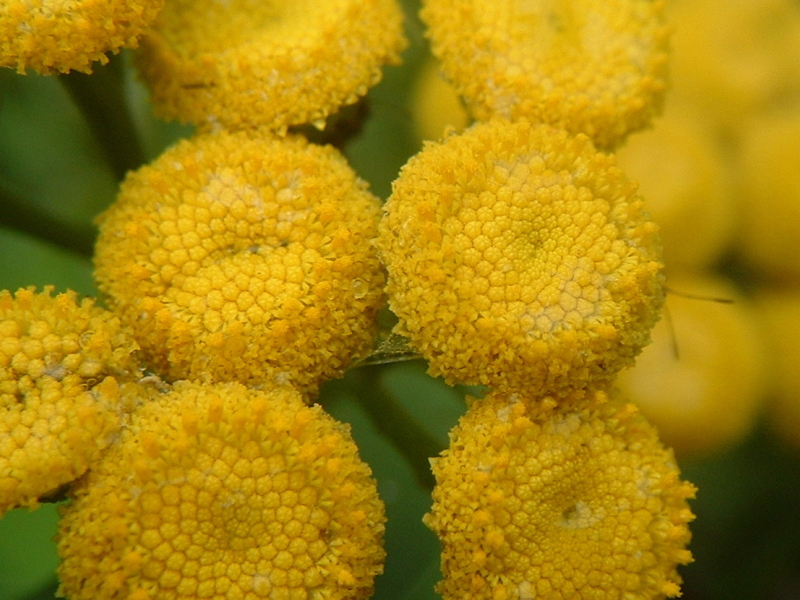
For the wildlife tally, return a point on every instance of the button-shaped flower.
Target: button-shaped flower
(241, 258)
(590, 66)
(56, 36)
(272, 64)
(61, 365)
(537, 504)
(225, 492)
(521, 258)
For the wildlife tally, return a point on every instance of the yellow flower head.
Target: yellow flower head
(273, 64)
(60, 399)
(701, 381)
(591, 66)
(520, 257)
(225, 492)
(239, 258)
(52, 36)
(584, 504)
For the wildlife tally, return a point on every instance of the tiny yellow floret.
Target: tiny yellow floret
(590, 66)
(583, 504)
(57, 36)
(62, 363)
(251, 260)
(272, 63)
(519, 257)
(240, 502)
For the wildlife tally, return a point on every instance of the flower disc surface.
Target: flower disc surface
(225, 492)
(521, 258)
(241, 258)
(582, 505)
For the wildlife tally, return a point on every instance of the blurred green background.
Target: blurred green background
(55, 176)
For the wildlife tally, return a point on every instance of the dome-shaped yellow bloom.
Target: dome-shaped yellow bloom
(558, 504)
(52, 36)
(519, 257)
(224, 492)
(685, 175)
(590, 66)
(274, 64)
(60, 398)
(701, 381)
(239, 258)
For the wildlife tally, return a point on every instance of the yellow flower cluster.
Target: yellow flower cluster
(242, 258)
(519, 257)
(224, 492)
(61, 365)
(52, 36)
(590, 66)
(531, 503)
(272, 64)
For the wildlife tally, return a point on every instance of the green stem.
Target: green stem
(393, 421)
(101, 98)
(18, 214)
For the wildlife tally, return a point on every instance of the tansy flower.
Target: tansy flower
(537, 504)
(435, 104)
(52, 36)
(686, 177)
(60, 398)
(519, 257)
(239, 258)
(244, 63)
(734, 59)
(768, 168)
(701, 381)
(590, 66)
(224, 492)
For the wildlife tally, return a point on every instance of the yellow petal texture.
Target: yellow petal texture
(584, 504)
(56, 36)
(273, 63)
(519, 257)
(240, 258)
(224, 492)
(591, 66)
(701, 381)
(60, 398)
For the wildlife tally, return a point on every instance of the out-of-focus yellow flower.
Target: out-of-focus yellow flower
(274, 64)
(701, 381)
(779, 315)
(56, 36)
(225, 492)
(521, 258)
(239, 258)
(686, 178)
(435, 104)
(768, 166)
(537, 504)
(731, 59)
(60, 399)
(589, 66)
